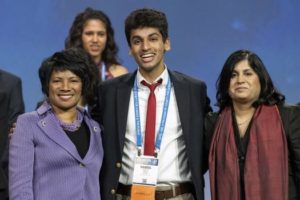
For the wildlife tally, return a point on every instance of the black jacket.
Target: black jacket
(11, 105)
(112, 111)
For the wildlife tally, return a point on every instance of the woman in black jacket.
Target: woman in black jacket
(254, 139)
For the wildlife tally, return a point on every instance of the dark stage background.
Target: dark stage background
(202, 33)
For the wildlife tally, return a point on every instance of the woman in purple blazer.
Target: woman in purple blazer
(56, 151)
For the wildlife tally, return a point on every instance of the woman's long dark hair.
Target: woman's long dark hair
(109, 55)
(268, 95)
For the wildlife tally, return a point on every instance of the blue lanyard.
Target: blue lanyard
(138, 118)
(103, 71)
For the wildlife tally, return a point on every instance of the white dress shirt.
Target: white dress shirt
(173, 163)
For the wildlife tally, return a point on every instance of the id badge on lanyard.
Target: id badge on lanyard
(144, 178)
(146, 167)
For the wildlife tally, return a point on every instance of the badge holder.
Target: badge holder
(146, 167)
(144, 178)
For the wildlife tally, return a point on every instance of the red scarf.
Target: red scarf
(266, 164)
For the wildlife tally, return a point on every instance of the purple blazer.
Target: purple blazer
(45, 164)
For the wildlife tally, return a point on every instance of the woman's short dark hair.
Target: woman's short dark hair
(268, 95)
(146, 17)
(78, 62)
(109, 55)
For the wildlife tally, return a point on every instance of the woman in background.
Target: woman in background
(255, 138)
(92, 31)
(56, 151)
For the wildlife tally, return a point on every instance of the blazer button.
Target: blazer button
(95, 129)
(81, 165)
(113, 191)
(118, 165)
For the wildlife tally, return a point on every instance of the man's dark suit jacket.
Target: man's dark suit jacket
(112, 110)
(11, 105)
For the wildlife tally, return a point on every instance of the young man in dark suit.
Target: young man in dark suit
(181, 103)
(11, 105)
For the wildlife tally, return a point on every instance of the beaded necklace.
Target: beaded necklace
(72, 127)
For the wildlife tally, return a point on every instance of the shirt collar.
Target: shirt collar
(164, 76)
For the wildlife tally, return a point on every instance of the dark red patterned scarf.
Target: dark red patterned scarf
(266, 164)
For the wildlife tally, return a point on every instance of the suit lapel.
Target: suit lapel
(94, 137)
(123, 99)
(56, 133)
(182, 95)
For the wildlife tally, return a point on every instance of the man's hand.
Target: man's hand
(11, 130)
